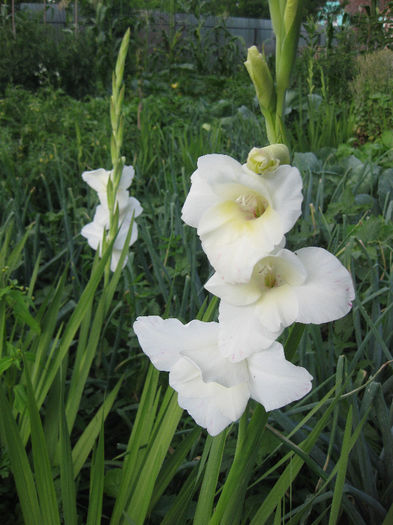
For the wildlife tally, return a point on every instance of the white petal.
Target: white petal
(115, 259)
(214, 367)
(93, 232)
(126, 177)
(285, 186)
(122, 234)
(200, 198)
(101, 216)
(233, 244)
(163, 339)
(239, 294)
(274, 381)
(241, 332)
(122, 199)
(216, 168)
(97, 179)
(132, 208)
(328, 291)
(212, 406)
(278, 308)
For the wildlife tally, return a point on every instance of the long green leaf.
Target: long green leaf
(20, 465)
(141, 497)
(86, 442)
(139, 435)
(342, 470)
(173, 463)
(67, 483)
(94, 516)
(42, 468)
(208, 489)
(291, 471)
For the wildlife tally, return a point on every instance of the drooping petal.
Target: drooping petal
(274, 381)
(211, 405)
(241, 332)
(163, 339)
(328, 291)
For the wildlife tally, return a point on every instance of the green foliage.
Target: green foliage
(372, 90)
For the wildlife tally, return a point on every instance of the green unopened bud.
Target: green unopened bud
(260, 75)
(267, 159)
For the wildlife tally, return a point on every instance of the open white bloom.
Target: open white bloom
(308, 286)
(241, 216)
(98, 180)
(212, 389)
(129, 209)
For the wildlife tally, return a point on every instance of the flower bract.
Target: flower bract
(212, 389)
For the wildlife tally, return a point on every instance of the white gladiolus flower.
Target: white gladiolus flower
(212, 389)
(308, 286)
(241, 216)
(98, 180)
(129, 209)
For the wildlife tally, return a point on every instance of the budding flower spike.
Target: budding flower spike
(307, 286)
(242, 212)
(212, 389)
(128, 209)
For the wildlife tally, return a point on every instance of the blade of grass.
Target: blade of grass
(85, 443)
(140, 500)
(342, 470)
(43, 472)
(208, 489)
(20, 466)
(96, 493)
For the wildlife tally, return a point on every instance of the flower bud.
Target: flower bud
(260, 75)
(269, 158)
